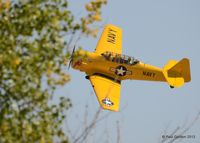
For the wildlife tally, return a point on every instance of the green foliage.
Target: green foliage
(33, 58)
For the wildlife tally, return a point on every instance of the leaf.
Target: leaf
(34, 53)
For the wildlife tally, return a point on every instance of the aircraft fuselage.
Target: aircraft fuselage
(116, 67)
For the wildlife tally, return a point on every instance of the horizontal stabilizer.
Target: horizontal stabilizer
(177, 73)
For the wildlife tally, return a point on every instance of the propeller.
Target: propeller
(71, 57)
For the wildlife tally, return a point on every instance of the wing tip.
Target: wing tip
(110, 108)
(113, 26)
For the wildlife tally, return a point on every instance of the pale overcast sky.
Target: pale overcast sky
(154, 31)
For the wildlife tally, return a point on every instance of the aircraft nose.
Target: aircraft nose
(76, 63)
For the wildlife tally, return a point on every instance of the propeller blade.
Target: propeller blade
(73, 50)
(71, 57)
(69, 64)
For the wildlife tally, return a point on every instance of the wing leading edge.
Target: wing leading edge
(110, 40)
(107, 92)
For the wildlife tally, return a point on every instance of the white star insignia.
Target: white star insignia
(107, 102)
(120, 71)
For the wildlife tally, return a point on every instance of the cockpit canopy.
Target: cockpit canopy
(118, 58)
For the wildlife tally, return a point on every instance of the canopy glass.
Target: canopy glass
(118, 58)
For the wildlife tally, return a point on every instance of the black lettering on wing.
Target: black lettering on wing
(111, 37)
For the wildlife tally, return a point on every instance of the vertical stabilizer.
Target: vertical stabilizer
(177, 73)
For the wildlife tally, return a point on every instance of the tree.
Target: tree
(35, 37)
(179, 133)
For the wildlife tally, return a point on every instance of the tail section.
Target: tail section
(177, 73)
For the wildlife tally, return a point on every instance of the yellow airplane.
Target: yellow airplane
(106, 67)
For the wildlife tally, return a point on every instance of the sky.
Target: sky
(154, 31)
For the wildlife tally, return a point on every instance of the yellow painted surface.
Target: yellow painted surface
(110, 40)
(106, 74)
(106, 89)
(177, 73)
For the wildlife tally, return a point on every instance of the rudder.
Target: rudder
(177, 73)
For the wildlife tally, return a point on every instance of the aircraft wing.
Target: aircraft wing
(107, 92)
(110, 40)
